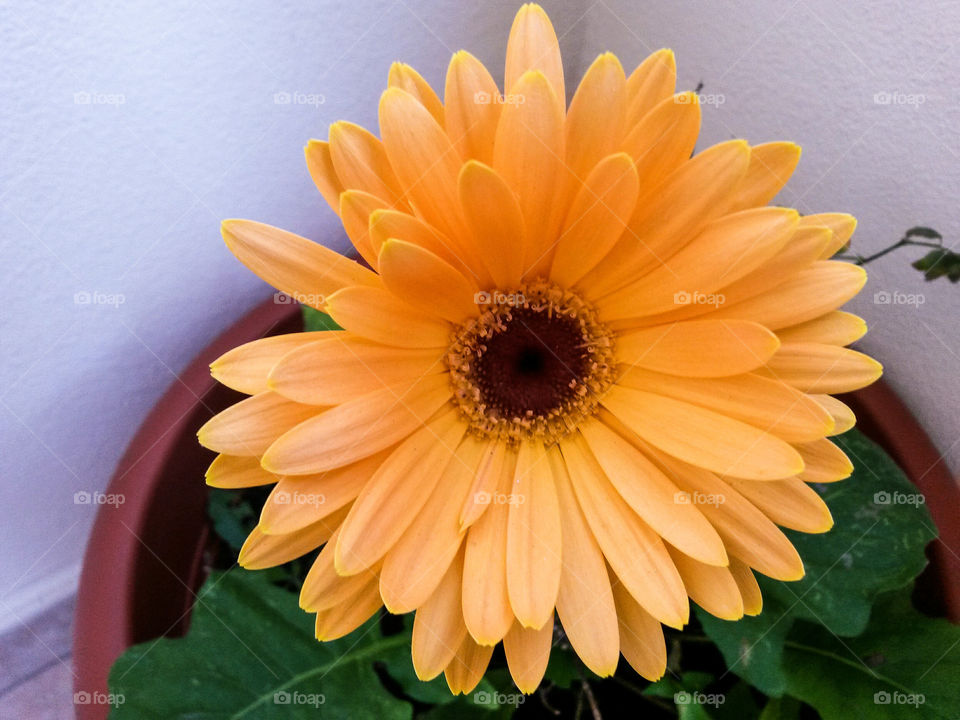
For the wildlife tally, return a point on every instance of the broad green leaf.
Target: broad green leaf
(938, 263)
(924, 232)
(753, 647)
(250, 653)
(315, 321)
(785, 708)
(904, 666)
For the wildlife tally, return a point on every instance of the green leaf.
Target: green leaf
(232, 516)
(785, 708)
(250, 653)
(938, 263)
(924, 232)
(905, 665)
(877, 544)
(316, 321)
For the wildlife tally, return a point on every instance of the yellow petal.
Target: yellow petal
(467, 667)
(633, 550)
(249, 427)
(263, 551)
(698, 191)
(597, 218)
(748, 586)
(843, 416)
(361, 162)
(842, 226)
(486, 603)
(595, 123)
(473, 105)
(528, 651)
(824, 462)
(585, 601)
(834, 328)
(533, 539)
(790, 503)
(769, 405)
(815, 368)
(533, 45)
(703, 437)
(247, 367)
(233, 472)
(357, 428)
(303, 269)
(699, 348)
(406, 78)
(712, 588)
(380, 316)
(527, 152)
(415, 565)
(425, 161)
(747, 532)
(342, 367)
(814, 291)
(426, 282)
(297, 502)
(652, 495)
(650, 83)
(438, 628)
(323, 588)
(356, 207)
(641, 636)
(495, 220)
(493, 470)
(771, 165)
(320, 166)
(343, 618)
(726, 250)
(396, 493)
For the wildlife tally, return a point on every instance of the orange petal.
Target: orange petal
(527, 152)
(595, 122)
(247, 367)
(747, 584)
(771, 165)
(467, 667)
(843, 416)
(816, 368)
(702, 437)
(388, 223)
(357, 428)
(493, 471)
(585, 601)
(396, 493)
(641, 636)
(533, 45)
(406, 78)
(380, 316)
(597, 218)
(249, 427)
(263, 551)
(320, 166)
(473, 106)
(361, 162)
(528, 651)
(842, 226)
(635, 552)
(533, 539)
(734, 347)
(438, 628)
(323, 588)
(790, 503)
(303, 269)
(712, 588)
(663, 139)
(650, 83)
(233, 472)
(426, 282)
(343, 618)
(356, 207)
(823, 462)
(652, 495)
(834, 328)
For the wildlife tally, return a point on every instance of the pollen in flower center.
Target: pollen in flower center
(534, 364)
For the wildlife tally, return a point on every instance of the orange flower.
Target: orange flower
(588, 374)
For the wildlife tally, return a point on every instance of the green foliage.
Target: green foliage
(939, 263)
(316, 321)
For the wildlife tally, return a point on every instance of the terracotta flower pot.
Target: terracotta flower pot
(144, 565)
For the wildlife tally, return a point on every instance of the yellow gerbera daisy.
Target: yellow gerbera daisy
(587, 373)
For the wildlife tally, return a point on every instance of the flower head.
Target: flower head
(585, 375)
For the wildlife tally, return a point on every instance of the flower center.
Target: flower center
(533, 365)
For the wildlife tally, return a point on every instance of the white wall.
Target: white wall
(125, 199)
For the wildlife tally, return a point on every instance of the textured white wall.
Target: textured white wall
(124, 199)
